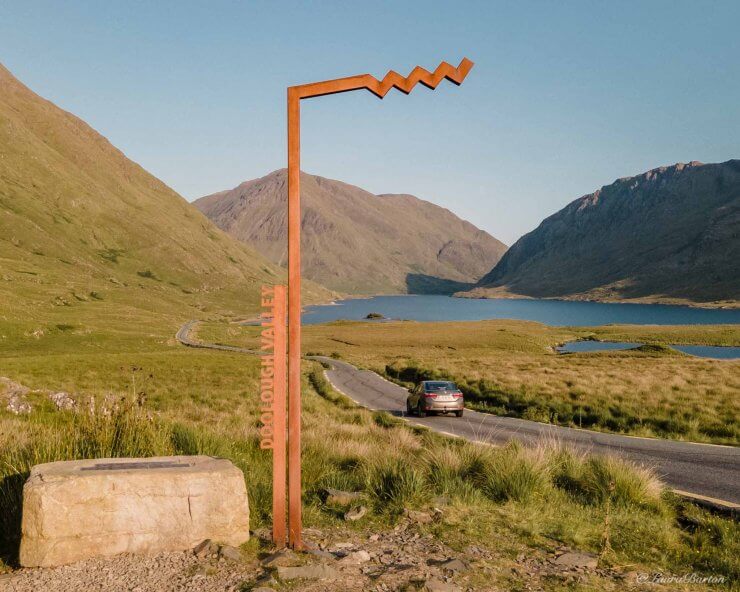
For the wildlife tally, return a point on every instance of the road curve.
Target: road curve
(183, 336)
(707, 473)
(700, 469)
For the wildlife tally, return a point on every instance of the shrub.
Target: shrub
(454, 469)
(713, 542)
(444, 468)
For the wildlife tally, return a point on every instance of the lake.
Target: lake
(701, 351)
(549, 312)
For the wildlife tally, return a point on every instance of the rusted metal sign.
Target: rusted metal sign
(295, 93)
(272, 399)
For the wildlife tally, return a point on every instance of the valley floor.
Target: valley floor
(511, 368)
(508, 513)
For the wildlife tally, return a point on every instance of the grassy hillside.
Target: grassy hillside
(88, 237)
(668, 235)
(398, 243)
(510, 368)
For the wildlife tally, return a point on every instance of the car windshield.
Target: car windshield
(440, 386)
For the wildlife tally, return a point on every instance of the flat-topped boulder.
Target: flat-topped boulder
(73, 510)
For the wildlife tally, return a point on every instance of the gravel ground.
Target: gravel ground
(168, 572)
(338, 560)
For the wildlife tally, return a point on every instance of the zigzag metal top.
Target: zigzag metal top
(391, 80)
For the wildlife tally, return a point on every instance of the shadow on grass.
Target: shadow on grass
(419, 283)
(11, 504)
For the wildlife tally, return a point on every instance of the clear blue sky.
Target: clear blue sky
(564, 98)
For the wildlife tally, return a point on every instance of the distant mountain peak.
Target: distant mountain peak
(671, 233)
(355, 241)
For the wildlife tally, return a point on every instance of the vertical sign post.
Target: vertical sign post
(272, 397)
(295, 93)
(294, 321)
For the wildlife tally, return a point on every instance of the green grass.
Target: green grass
(510, 368)
(172, 400)
(155, 397)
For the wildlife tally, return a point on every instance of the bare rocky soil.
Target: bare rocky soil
(13, 396)
(337, 560)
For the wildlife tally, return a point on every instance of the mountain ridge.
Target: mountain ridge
(400, 243)
(670, 234)
(84, 227)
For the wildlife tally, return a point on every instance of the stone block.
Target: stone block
(74, 510)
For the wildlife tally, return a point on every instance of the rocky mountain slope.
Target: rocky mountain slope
(357, 242)
(671, 234)
(82, 227)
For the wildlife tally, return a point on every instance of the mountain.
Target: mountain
(357, 242)
(671, 234)
(84, 229)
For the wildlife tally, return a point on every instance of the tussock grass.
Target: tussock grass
(322, 387)
(395, 483)
(385, 419)
(513, 473)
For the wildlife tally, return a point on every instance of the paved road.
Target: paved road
(700, 470)
(183, 336)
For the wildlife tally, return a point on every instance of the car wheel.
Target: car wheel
(459, 413)
(421, 411)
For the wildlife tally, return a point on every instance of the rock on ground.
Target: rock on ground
(575, 560)
(153, 505)
(435, 585)
(342, 498)
(62, 400)
(355, 513)
(15, 395)
(282, 558)
(307, 572)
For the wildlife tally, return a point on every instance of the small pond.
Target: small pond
(701, 351)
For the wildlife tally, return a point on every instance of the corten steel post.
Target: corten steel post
(278, 450)
(295, 93)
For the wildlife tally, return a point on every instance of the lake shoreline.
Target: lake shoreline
(549, 311)
(714, 305)
(504, 295)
